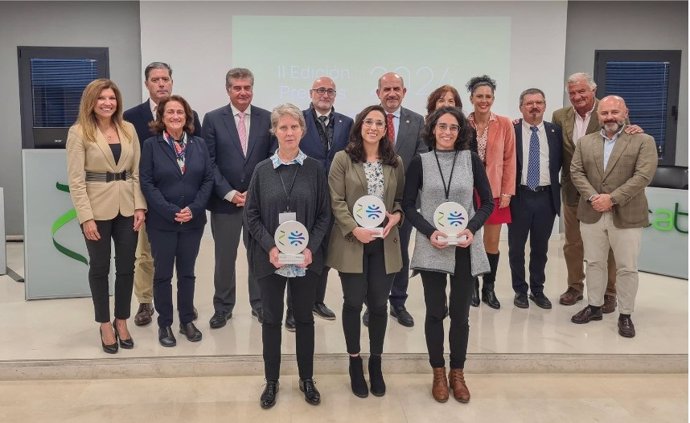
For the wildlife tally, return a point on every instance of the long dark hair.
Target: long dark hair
(355, 147)
(462, 142)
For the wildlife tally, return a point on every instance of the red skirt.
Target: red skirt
(498, 216)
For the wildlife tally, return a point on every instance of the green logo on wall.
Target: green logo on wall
(667, 220)
(62, 221)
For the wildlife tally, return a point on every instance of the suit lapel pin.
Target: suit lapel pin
(407, 121)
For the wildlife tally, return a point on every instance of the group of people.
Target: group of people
(255, 170)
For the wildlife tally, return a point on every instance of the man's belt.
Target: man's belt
(536, 189)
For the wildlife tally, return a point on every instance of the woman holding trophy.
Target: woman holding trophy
(287, 213)
(444, 180)
(366, 184)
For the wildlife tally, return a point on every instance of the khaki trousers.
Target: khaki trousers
(143, 269)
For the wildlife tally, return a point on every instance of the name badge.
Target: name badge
(286, 216)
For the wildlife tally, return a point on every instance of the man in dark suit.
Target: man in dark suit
(238, 138)
(158, 81)
(327, 133)
(405, 129)
(537, 197)
(611, 170)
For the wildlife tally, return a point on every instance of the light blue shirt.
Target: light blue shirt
(609, 143)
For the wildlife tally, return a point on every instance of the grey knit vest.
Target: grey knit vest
(432, 194)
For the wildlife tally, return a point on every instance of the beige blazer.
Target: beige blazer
(630, 169)
(103, 200)
(347, 183)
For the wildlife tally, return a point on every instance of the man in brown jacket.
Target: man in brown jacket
(611, 170)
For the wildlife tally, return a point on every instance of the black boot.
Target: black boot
(378, 386)
(488, 294)
(475, 293)
(357, 382)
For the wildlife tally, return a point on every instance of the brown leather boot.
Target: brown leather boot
(439, 387)
(457, 384)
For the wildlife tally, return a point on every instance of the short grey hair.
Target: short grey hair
(157, 65)
(529, 91)
(580, 76)
(291, 110)
(238, 73)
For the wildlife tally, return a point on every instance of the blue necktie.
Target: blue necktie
(533, 161)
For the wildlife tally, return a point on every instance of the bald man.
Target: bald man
(611, 170)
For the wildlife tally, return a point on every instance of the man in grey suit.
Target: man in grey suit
(611, 170)
(238, 138)
(405, 129)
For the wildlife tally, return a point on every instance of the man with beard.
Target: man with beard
(611, 170)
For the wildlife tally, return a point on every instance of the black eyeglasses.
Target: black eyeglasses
(322, 91)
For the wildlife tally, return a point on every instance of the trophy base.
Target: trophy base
(454, 240)
(376, 232)
(291, 258)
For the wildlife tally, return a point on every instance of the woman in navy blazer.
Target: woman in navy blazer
(177, 179)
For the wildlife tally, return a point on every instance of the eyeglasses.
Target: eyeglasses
(322, 91)
(372, 122)
(444, 127)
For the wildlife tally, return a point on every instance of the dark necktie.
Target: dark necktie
(391, 129)
(533, 161)
(323, 120)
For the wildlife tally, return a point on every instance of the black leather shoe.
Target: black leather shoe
(402, 315)
(166, 337)
(108, 348)
(475, 293)
(311, 394)
(191, 332)
(541, 300)
(365, 318)
(625, 327)
(127, 344)
(489, 297)
(259, 314)
(143, 315)
(520, 300)
(586, 315)
(270, 394)
(219, 319)
(321, 310)
(290, 320)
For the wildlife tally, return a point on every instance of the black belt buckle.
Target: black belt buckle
(536, 189)
(109, 177)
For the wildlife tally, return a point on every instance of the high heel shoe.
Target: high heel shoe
(127, 344)
(111, 348)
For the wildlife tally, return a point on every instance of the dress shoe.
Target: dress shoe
(127, 344)
(520, 300)
(321, 310)
(144, 313)
(166, 337)
(457, 384)
(586, 315)
(570, 296)
(108, 348)
(378, 385)
(489, 297)
(357, 381)
(365, 318)
(259, 314)
(609, 304)
(311, 394)
(625, 327)
(439, 387)
(270, 394)
(190, 331)
(402, 315)
(219, 319)
(475, 293)
(290, 320)
(540, 300)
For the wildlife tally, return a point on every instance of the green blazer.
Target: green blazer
(347, 183)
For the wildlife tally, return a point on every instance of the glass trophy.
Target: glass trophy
(291, 238)
(451, 218)
(369, 212)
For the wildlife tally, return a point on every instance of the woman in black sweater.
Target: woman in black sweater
(288, 186)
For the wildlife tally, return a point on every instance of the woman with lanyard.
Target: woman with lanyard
(367, 264)
(449, 172)
(177, 179)
(289, 186)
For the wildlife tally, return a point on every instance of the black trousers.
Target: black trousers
(398, 294)
(374, 285)
(533, 216)
(272, 298)
(461, 285)
(119, 229)
(174, 250)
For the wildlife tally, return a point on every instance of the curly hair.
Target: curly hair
(355, 146)
(464, 138)
(479, 81)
